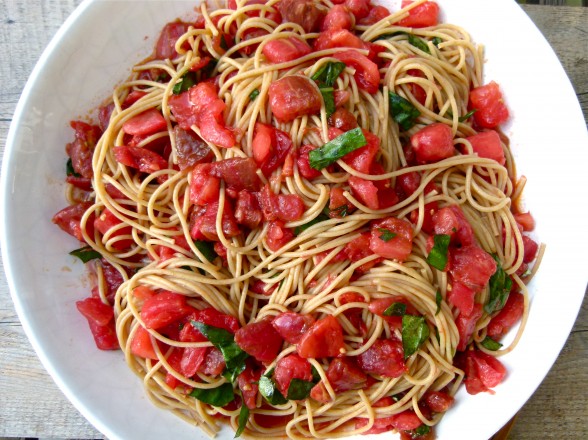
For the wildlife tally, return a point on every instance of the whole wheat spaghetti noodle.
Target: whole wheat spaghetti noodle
(252, 285)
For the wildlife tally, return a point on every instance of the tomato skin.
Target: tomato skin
(203, 222)
(510, 314)
(525, 220)
(472, 266)
(69, 218)
(531, 247)
(239, 173)
(278, 235)
(270, 147)
(291, 367)
(491, 111)
(214, 363)
(107, 221)
(344, 374)
(303, 163)
(338, 17)
(303, 12)
(141, 159)
(204, 188)
(291, 326)
(450, 220)
(149, 122)
(487, 144)
(81, 150)
(438, 401)
(466, 324)
(462, 297)
(483, 371)
(323, 339)
(343, 119)
(141, 344)
(433, 143)
(294, 96)
(359, 8)
(384, 358)
(209, 115)
(95, 310)
(192, 359)
(104, 335)
(376, 14)
(366, 74)
(166, 43)
(424, 15)
(337, 37)
(190, 148)
(211, 316)
(260, 340)
(400, 246)
(163, 309)
(285, 49)
(247, 210)
(365, 191)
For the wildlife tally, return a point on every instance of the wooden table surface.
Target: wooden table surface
(31, 405)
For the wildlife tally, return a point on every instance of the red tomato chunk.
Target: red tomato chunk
(384, 358)
(81, 150)
(424, 15)
(483, 372)
(303, 12)
(294, 96)
(366, 74)
(95, 310)
(146, 123)
(291, 367)
(163, 309)
(391, 238)
(510, 314)
(285, 49)
(292, 326)
(344, 374)
(487, 144)
(141, 159)
(489, 105)
(472, 266)
(433, 143)
(260, 340)
(323, 339)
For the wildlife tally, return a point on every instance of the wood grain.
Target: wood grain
(31, 405)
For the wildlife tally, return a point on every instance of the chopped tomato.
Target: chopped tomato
(319, 393)
(141, 159)
(163, 309)
(344, 120)
(82, 183)
(190, 148)
(483, 371)
(222, 42)
(508, 316)
(472, 266)
(306, 13)
(95, 310)
(291, 367)
(365, 191)
(166, 44)
(204, 188)
(209, 115)
(285, 207)
(391, 238)
(247, 210)
(363, 158)
(424, 15)
(291, 326)
(112, 279)
(338, 204)
(359, 248)
(384, 358)
(293, 96)
(354, 315)
(376, 14)
(303, 163)
(525, 220)
(366, 73)
(462, 297)
(530, 247)
(433, 143)
(438, 401)
(203, 222)
(214, 363)
(451, 221)
(270, 147)
(104, 335)
(359, 8)
(408, 182)
(278, 235)
(323, 339)
(263, 288)
(285, 49)
(344, 374)
(214, 318)
(69, 220)
(141, 344)
(466, 324)
(81, 150)
(239, 173)
(183, 110)
(491, 111)
(248, 384)
(260, 340)
(106, 222)
(488, 145)
(338, 37)
(379, 306)
(149, 122)
(192, 359)
(338, 17)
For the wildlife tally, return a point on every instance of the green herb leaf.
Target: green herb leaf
(415, 332)
(438, 300)
(206, 248)
(403, 112)
(491, 344)
(419, 432)
(500, 284)
(438, 255)
(299, 389)
(253, 95)
(69, 169)
(387, 234)
(468, 115)
(337, 148)
(341, 210)
(389, 35)
(436, 41)
(225, 342)
(328, 73)
(418, 43)
(395, 309)
(162, 77)
(316, 377)
(219, 396)
(329, 99)
(86, 254)
(270, 392)
(187, 81)
(243, 418)
(319, 218)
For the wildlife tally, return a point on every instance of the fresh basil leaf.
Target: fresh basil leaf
(319, 218)
(403, 112)
(389, 35)
(253, 95)
(341, 210)
(270, 392)
(418, 432)
(219, 396)
(500, 284)
(243, 419)
(328, 73)
(188, 80)
(337, 148)
(395, 309)
(69, 169)
(162, 77)
(387, 234)
(415, 332)
(329, 99)
(316, 377)
(418, 43)
(206, 248)
(468, 115)
(299, 389)
(436, 41)
(225, 342)
(438, 255)
(86, 254)
(491, 344)
(438, 300)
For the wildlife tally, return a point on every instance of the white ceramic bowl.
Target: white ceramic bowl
(95, 49)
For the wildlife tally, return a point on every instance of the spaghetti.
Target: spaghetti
(259, 286)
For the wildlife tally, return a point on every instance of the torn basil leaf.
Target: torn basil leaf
(328, 73)
(438, 255)
(467, 116)
(69, 169)
(341, 210)
(418, 43)
(219, 396)
(499, 284)
(270, 392)
(319, 218)
(395, 309)
(330, 152)
(404, 113)
(243, 419)
(436, 41)
(86, 254)
(253, 95)
(206, 248)
(491, 344)
(299, 389)
(386, 235)
(188, 80)
(329, 100)
(415, 332)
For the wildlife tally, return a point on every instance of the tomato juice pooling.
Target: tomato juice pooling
(297, 216)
